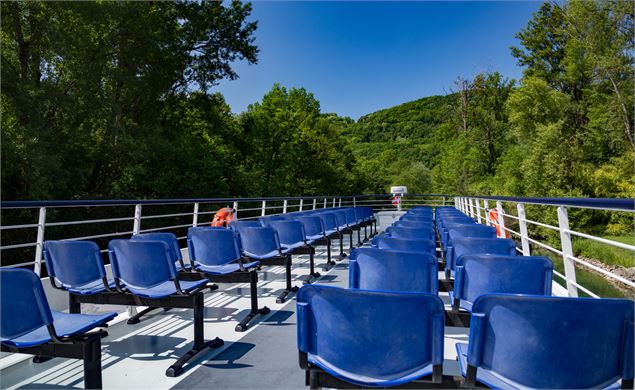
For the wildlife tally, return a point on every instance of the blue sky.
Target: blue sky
(359, 57)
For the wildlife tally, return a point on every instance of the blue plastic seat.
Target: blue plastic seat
(260, 242)
(549, 342)
(388, 270)
(477, 275)
(28, 325)
(454, 231)
(236, 225)
(330, 222)
(370, 338)
(290, 233)
(415, 218)
(27, 320)
(313, 227)
(409, 233)
(147, 269)
(77, 267)
(216, 251)
(473, 246)
(414, 224)
(403, 244)
(173, 244)
(340, 216)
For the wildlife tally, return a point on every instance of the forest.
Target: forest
(104, 100)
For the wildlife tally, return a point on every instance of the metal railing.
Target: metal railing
(479, 208)
(101, 220)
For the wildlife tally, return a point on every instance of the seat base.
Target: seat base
(177, 368)
(317, 378)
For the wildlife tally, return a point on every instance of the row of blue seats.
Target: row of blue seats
(149, 270)
(520, 336)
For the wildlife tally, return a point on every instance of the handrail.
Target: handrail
(617, 204)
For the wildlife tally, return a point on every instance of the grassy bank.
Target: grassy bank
(607, 254)
(597, 284)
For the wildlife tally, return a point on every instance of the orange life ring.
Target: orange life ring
(493, 216)
(223, 217)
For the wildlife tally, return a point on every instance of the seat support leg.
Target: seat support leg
(329, 261)
(200, 345)
(137, 317)
(342, 255)
(255, 310)
(91, 349)
(312, 273)
(470, 377)
(359, 237)
(350, 240)
(74, 307)
(283, 296)
(313, 380)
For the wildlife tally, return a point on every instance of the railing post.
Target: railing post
(444, 199)
(195, 215)
(567, 251)
(485, 211)
(314, 203)
(463, 205)
(522, 222)
(301, 204)
(501, 220)
(340, 203)
(41, 222)
(324, 202)
(235, 207)
(470, 203)
(263, 208)
(136, 228)
(456, 203)
(354, 202)
(284, 207)
(333, 202)
(478, 210)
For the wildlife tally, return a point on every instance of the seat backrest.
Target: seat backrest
(338, 327)
(340, 216)
(403, 244)
(141, 264)
(477, 275)
(493, 246)
(237, 224)
(470, 230)
(23, 304)
(415, 217)
(410, 233)
(351, 217)
(266, 221)
(389, 270)
(553, 342)
(329, 220)
(259, 241)
(213, 246)
(289, 231)
(414, 224)
(168, 238)
(312, 224)
(74, 263)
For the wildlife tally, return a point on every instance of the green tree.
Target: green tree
(85, 83)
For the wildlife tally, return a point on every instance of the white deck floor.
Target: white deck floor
(136, 356)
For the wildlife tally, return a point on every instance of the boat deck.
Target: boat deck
(265, 356)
